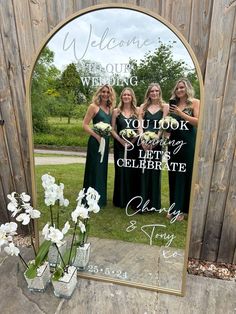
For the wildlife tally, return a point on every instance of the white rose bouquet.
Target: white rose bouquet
(128, 134)
(168, 124)
(149, 137)
(103, 129)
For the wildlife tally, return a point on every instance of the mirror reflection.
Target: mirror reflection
(120, 89)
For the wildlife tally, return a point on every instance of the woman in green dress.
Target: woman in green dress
(124, 117)
(151, 112)
(186, 112)
(95, 175)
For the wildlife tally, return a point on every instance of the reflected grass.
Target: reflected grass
(111, 222)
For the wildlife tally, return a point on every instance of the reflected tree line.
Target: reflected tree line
(61, 93)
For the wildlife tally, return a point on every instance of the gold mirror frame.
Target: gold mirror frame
(29, 120)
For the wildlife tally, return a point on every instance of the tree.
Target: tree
(159, 67)
(43, 83)
(90, 71)
(70, 90)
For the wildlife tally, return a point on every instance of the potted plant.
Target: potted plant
(87, 202)
(64, 278)
(37, 273)
(54, 195)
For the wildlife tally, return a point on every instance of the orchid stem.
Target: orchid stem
(52, 222)
(84, 234)
(31, 239)
(23, 261)
(72, 242)
(64, 265)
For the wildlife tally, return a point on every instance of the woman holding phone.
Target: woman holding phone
(185, 109)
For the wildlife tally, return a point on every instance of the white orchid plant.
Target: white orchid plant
(23, 213)
(86, 202)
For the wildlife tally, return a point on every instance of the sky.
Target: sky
(112, 36)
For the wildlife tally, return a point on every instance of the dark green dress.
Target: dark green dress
(95, 175)
(125, 178)
(150, 182)
(180, 182)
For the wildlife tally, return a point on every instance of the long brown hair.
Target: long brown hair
(147, 101)
(111, 99)
(189, 91)
(133, 101)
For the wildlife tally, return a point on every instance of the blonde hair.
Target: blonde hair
(133, 101)
(147, 101)
(111, 99)
(189, 91)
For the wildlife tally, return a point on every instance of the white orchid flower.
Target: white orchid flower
(52, 234)
(56, 236)
(47, 180)
(51, 194)
(12, 249)
(45, 231)
(13, 207)
(7, 230)
(11, 197)
(25, 197)
(82, 211)
(66, 228)
(92, 195)
(9, 227)
(81, 195)
(24, 218)
(94, 207)
(75, 215)
(82, 226)
(34, 213)
(66, 202)
(63, 202)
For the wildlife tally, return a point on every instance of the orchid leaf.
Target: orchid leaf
(67, 255)
(42, 252)
(58, 273)
(31, 272)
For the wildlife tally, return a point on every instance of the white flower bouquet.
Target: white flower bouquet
(149, 138)
(128, 134)
(103, 129)
(168, 124)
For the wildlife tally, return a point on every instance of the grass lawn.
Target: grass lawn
(110, 222)
(63, 134)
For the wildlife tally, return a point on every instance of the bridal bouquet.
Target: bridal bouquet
(168, 124)
(149, 138)
(103, 129)
(128, 134)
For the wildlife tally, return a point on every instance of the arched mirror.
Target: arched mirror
(137, 243)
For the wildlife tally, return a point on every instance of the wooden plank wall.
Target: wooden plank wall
(210, 28)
